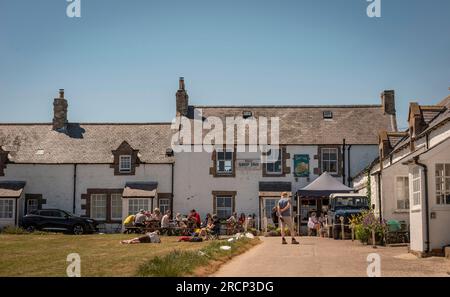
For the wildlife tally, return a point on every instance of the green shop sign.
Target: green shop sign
(301, 165)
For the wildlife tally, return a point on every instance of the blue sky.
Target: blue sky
(121, 60)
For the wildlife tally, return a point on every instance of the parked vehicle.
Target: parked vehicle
(58, 220)
(345, 205)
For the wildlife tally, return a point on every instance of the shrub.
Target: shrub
(364, 223)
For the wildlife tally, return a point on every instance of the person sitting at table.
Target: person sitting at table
(207, 221)
(215, 226)
(156, 215)
(194, 218)
(140, 218)
(242, 223)
(179, 221)
(165, 221)
(313, 223)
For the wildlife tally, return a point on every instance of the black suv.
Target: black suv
(58, 220)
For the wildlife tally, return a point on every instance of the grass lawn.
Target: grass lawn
(101, 255)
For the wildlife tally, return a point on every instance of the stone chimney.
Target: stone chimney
(60, 112)
(388, 101)
(182, 99)
(388, 106)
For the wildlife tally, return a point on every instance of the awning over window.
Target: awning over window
(273, 194)
(11, 189)
(274, 189)
(323, 186)
(140, 190)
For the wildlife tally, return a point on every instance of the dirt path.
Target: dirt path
(327, 257)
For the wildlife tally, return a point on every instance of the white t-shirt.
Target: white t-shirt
(165, 221)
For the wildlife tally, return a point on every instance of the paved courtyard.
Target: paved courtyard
(327, 257)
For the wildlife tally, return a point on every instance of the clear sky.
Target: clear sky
(121, 60)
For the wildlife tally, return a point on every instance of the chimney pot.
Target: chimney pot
(61, 93)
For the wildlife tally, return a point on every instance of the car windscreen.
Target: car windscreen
(350, 202)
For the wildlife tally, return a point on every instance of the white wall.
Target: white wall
(102, 177)
(194, 184)
(55, 182)
(439, 226)
(389, 192)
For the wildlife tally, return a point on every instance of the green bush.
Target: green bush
(362, 234)
(365, 223)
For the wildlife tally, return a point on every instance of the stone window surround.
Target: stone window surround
(231, 194)
(285, 156)
(87, 206)
(318, 170)
(123, 150)
(39, 199)
(213, 168)
(166, 196)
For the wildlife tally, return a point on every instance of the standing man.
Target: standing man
(285, 219)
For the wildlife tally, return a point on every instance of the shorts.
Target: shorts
(144, 239)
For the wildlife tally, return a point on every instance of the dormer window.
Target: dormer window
(328, 115)
(247, 114)
(126, 159)
(125, 163)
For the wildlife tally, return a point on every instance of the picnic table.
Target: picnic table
(155, 225)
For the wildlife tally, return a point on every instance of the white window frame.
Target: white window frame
(329, 161)
(33, 207)
(443, 179)
(271, 162)
(224, 208)
(142, 203)
(404, 196)
(416, 179)
(125, 160)
(225, 160)
(163, 207)
(116, 206)
(98, 203)
(7, 212)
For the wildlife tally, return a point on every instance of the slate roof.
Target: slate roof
(433, 115)
(304, 124)
(84, 143)
(140, 190)
(11, 189)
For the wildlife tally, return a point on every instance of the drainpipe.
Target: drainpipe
(348, 163)
(379, 195)
(171, 204)
(74, 188)
(427, 220)
(343, 161)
